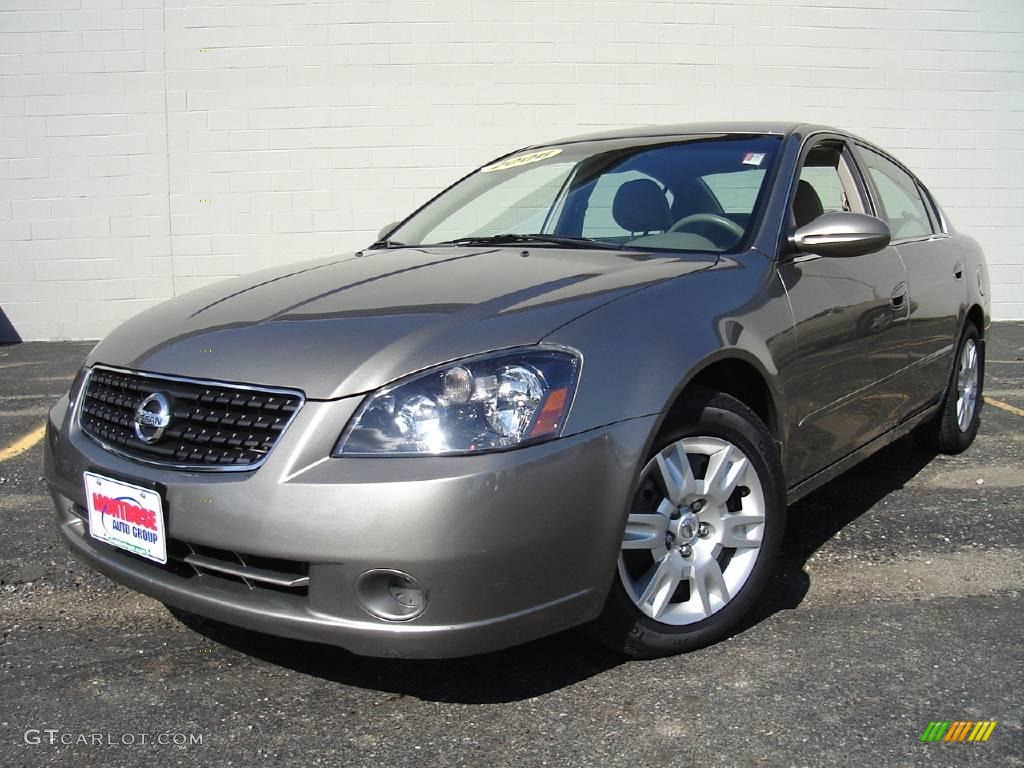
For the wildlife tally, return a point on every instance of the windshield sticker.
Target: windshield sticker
(518, 160)
(753, 158)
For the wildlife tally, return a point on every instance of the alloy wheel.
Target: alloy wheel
(694, 531)
(967, 385)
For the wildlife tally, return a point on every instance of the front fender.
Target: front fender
(640, 352)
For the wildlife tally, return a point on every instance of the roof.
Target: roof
(780, 128)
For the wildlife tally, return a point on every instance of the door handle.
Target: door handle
(958, 270)
(899, 296)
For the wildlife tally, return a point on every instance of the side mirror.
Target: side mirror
(841, 234)
(386, 230)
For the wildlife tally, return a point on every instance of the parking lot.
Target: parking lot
(898, 601)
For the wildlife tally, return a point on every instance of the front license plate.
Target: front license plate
(126, 516)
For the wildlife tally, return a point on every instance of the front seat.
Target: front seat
(806, 205)
(640, 207)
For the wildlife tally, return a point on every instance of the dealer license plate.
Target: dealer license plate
(126, 516)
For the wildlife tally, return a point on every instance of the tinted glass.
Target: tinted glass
(517, 203)
(933, 210)
(826, 182)
(902, 206)
(693, 193)
(735, 192)
(599, 219)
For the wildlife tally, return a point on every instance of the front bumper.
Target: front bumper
(509, 546)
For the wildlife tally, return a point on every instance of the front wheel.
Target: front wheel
(702, 532)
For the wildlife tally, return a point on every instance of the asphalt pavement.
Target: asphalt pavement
(897, 602)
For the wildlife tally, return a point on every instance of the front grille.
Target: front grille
(212, 426)
(255, 571)
(186, 560)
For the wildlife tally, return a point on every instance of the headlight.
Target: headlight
(486, 403)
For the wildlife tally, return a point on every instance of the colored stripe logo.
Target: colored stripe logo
(958, 730)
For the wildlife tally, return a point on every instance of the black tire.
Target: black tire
(622, 626)
(942, 434)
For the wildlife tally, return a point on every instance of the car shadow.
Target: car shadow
(567, 658)
(819, 516)
(514, 674)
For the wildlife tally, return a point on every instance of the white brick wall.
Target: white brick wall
(150, 146)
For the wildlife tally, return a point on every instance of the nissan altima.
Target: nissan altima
(579, 387)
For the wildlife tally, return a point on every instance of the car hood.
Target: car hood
(348, 324)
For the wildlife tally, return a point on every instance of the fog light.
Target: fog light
(391, 595)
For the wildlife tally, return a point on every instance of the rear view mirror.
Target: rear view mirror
(841, 234)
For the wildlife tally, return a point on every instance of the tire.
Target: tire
(745, 507)
(952, 431)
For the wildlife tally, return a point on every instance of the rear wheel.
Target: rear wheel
(702, 533)
(956, 424)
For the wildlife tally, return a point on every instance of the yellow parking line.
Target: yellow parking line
(21, 445)
(1005, 406)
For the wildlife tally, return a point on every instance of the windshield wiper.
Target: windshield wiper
(510, 238)
(385, 244)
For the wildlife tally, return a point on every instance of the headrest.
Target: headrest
(640, 206)
(806, 205)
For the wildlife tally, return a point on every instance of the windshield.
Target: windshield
(694, 193)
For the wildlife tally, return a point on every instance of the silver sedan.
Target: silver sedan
(578, 387)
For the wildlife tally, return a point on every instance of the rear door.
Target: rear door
(845, 384)
(935, 273)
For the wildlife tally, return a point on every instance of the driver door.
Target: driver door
(845, 384)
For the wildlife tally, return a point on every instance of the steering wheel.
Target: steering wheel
(709, 218)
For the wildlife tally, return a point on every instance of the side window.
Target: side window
(828, 185)
(933, 209)
(598, 221)
(825, 185)
(899, 197)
